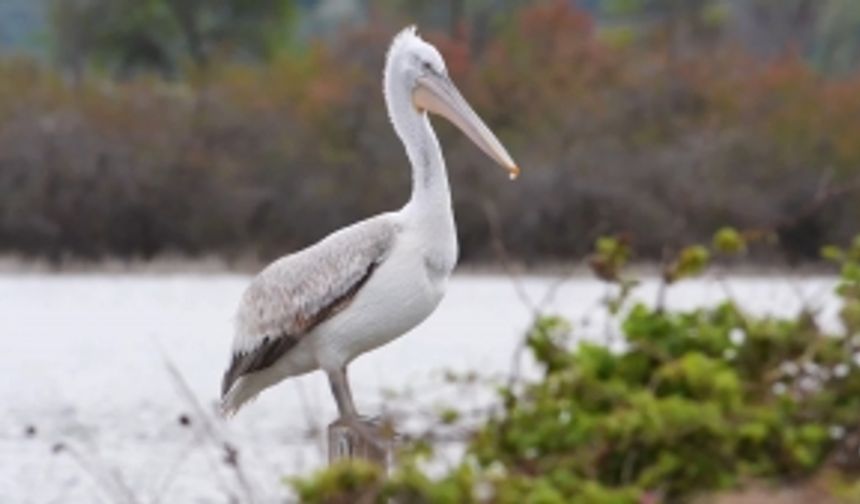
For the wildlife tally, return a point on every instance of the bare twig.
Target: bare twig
(210, 430)
(504, 258)
(109, 481)
(825, 193)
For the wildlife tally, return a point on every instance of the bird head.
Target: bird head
(419, 68)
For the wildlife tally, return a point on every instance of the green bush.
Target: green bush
(696, 401)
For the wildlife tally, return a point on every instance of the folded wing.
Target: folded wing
(298, 292)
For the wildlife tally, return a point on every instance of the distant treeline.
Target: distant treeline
(642, 135)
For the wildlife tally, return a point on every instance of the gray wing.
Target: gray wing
(296, 293)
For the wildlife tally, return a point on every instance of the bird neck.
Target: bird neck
(430, 189)
(429, 210)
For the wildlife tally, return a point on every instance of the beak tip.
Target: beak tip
(513, 172)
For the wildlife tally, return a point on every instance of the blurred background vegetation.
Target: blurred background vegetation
(247, 128)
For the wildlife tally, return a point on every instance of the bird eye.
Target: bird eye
(428, 67)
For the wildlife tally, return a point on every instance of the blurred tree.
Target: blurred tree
(253, 29)
(772, 27)
(125, 36)
(676, 25)
(463, 20)
(837, 37)
(119, 35)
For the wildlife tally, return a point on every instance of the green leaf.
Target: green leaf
(729, 241)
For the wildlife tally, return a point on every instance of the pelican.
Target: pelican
(369, 283)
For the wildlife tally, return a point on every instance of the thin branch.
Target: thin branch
(209, 428)
(504, 258)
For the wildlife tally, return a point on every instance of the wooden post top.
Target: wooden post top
(344, 442)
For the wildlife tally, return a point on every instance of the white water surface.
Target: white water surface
(90, 412)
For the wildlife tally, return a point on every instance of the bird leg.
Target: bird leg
(367, 429)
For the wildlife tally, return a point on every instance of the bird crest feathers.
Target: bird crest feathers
(406, 37)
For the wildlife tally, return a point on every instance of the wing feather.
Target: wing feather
(298, 292)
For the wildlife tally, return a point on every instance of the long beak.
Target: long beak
(436, 93)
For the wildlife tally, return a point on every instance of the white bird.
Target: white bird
(371, 282)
